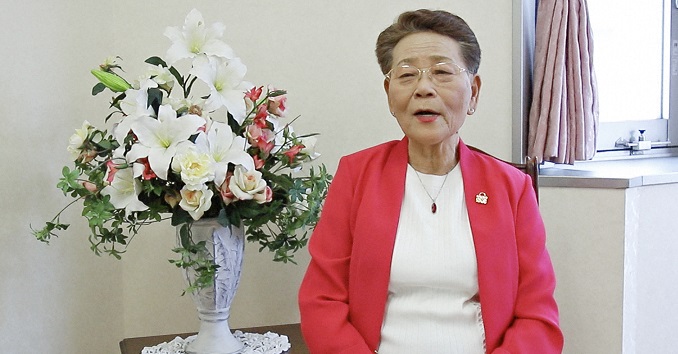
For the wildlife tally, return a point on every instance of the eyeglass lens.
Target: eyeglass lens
(438, 73)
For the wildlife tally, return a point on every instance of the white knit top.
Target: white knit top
(432, 304)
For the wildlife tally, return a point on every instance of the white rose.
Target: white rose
(196, 201)
(245, 185)
(76, 140)
(196, 168)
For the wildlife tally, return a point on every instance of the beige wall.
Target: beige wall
(63, 299)
(587, 250)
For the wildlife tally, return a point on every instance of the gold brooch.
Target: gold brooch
(481, 198)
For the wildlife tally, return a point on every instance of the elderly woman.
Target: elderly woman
(425, 246)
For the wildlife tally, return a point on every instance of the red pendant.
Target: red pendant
(434, 208)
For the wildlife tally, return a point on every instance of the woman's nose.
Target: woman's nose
(425, 86)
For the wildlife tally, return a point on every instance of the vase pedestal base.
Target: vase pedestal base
(214, 338)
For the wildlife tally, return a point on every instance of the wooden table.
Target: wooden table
(292, 331)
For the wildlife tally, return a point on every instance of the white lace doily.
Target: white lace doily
(255, 343)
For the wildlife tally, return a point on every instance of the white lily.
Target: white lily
(124, 191)
(155, 76)
(134, 105)
(195, 38)
(224, 147)
(179, 103)
(309, 143)
(225, 80)
(159, 138)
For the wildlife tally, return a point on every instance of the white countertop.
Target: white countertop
(611, 174)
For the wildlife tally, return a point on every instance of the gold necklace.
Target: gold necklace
(434, 206)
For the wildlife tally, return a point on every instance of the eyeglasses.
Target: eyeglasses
(440, 73)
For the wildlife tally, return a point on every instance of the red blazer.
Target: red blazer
(343, 294)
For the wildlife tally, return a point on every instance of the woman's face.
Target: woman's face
(431, 113)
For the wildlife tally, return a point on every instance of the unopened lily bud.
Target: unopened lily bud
(87, 156)
(111, 80)
(90, 186)
(172, 198)
(195, 109)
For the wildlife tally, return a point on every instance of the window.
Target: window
(636, 63)
(632, 58)
(629, 60)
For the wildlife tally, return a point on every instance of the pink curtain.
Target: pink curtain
(563, 118)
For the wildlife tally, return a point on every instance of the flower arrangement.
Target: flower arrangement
(176, 152)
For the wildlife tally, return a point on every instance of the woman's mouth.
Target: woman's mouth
(426, 116)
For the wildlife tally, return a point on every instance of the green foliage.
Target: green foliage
(194, 256)
(282, 228)
(98, 88)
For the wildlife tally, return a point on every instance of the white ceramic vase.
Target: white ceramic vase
(226, 245)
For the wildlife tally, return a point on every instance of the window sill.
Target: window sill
(611, 174)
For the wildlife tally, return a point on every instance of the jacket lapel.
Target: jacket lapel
(492, 227)
(378, 222)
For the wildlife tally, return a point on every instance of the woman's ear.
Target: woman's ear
(476, 82)
(387, 84)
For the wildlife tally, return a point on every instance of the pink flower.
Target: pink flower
(112, 169)
(258, 162)
(276, 105)
(254, 132)
(263, 139)
(251, 97)
(265, 146)
(148, 173)
(264, 196)
(260, 118)
(254, 93)
(226, 195)
(293, 151)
